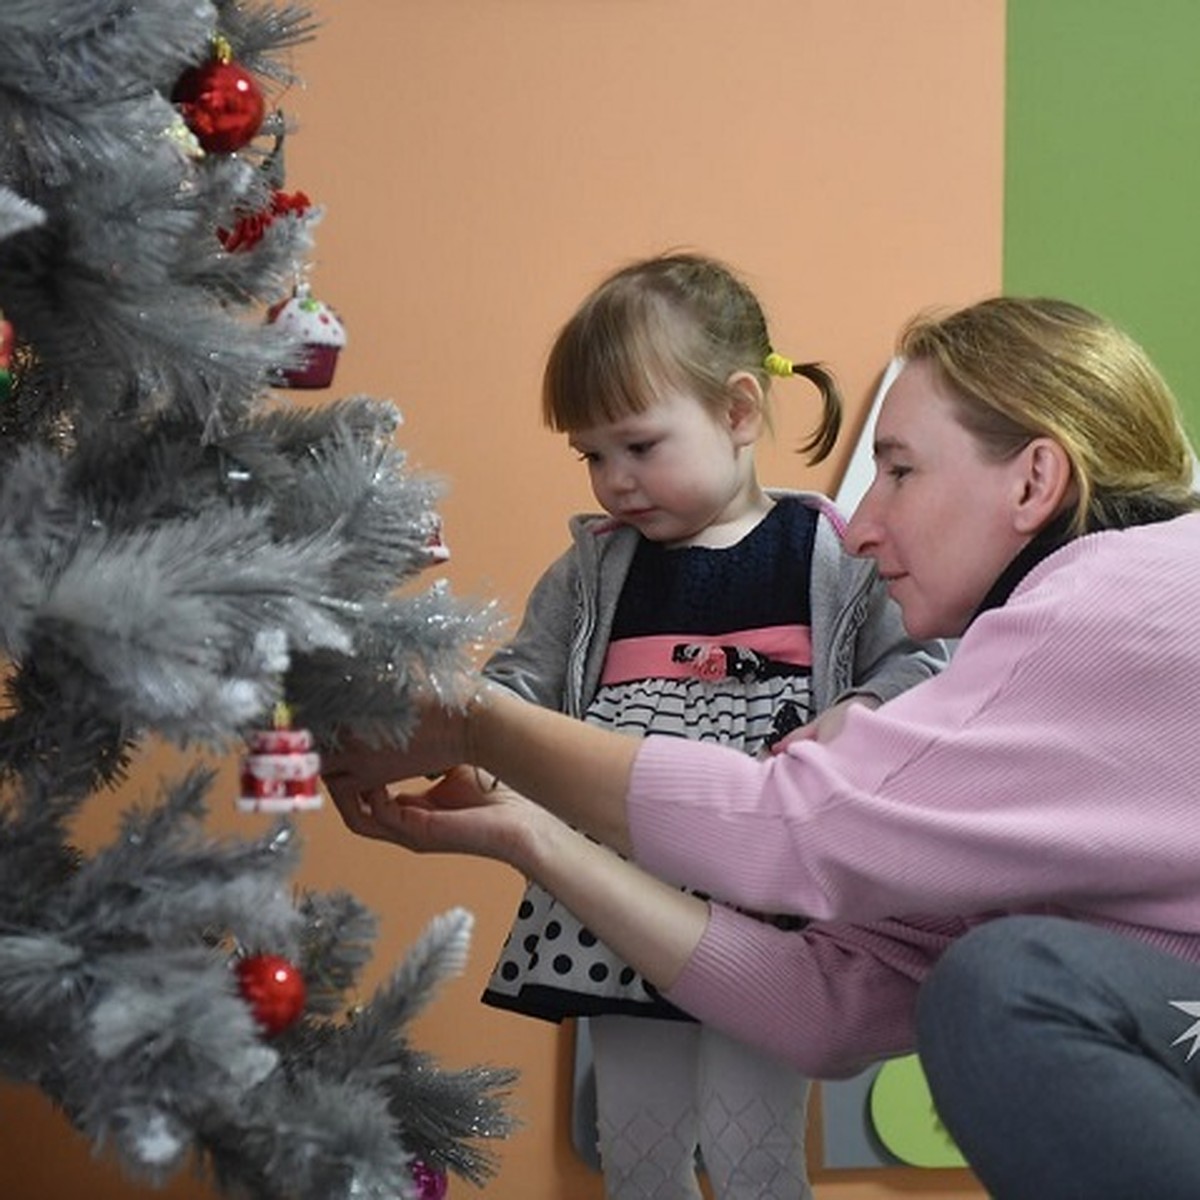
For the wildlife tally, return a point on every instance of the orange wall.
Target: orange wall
(483, 163)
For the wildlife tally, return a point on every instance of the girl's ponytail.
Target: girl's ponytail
(819, 446)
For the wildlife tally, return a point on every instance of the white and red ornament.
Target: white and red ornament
(274, 989)
(320, 333)
(282, 771)
(220, 101)
(436, 550)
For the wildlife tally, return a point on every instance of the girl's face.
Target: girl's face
(676, 473)
(941, 521)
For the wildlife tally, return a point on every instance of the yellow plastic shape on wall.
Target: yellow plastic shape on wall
(905, 1119)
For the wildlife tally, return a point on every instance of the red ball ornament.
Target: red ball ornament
(432, 1184)
(273, 988)
(220, 102)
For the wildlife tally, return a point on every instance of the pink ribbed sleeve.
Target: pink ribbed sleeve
(829, 999)
(1053, 766)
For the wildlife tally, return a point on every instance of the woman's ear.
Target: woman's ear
(746, 416)
(1044, 483)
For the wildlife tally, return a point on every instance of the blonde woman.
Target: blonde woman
(1034, 803)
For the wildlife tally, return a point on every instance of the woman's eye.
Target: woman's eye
(897, 472)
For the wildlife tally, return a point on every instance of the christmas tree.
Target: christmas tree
(188, 555)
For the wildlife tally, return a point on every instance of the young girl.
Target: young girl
(700, 606)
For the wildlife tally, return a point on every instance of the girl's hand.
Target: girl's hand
(828, 725)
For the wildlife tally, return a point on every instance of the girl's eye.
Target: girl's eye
(586, 456)
(640, 448)
(898, 472)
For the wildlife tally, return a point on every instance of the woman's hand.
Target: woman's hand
(542, 754)
(465, 812)
(436, 742)
(828, 725)
(654, 926)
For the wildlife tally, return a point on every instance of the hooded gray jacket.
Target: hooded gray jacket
(859, 644)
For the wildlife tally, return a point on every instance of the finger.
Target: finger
(355, 807)
(404, 818)
(370, 799)
(343, 790)
(460, 787)
(780, 747)
(342, 758)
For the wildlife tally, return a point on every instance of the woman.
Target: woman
(1033, 497)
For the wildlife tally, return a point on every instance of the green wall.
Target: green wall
(1102, 169)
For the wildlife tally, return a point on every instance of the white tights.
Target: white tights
(664, 1088)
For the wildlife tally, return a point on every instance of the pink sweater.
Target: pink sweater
(1053, 767)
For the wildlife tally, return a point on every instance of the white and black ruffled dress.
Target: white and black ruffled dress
(708, 644)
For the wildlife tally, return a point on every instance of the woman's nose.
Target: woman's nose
(862, 530)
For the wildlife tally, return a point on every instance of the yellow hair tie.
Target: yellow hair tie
(776, 364)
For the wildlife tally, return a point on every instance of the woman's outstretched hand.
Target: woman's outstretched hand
(653, 925)
(542, 754)
(435, 743)
(464, 812)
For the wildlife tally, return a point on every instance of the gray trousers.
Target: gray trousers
(1061, 1063)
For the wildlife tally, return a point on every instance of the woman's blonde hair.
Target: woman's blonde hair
(1026, 368)
(679, 320)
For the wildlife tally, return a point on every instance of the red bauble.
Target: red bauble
(221, 104)
(432, 1184)
(273, 988)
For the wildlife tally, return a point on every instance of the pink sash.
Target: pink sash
(689, 656)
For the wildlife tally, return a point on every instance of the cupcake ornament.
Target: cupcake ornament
(320, 333)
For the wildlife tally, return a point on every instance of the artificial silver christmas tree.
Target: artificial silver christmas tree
(182, 551)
